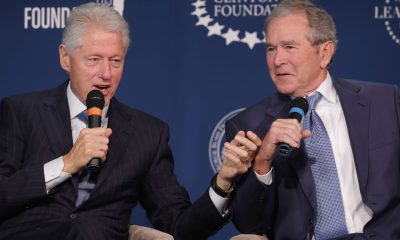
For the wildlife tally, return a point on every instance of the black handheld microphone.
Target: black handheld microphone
(94, 104)
(297, 111)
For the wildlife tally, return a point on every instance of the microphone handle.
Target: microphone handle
(93, 165)
(94, 121)
(285, 149)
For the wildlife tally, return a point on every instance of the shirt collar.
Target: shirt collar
(327, 90)
(76, 106)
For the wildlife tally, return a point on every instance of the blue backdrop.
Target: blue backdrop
(193, 62)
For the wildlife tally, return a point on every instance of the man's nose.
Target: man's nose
(105, 71)
(280, 57)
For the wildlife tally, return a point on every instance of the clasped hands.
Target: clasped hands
(247, 150)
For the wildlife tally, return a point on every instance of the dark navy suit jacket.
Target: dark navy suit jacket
(286, 208)
(36, 128)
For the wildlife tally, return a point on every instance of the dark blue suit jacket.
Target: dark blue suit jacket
(36, 128)
(286, 209)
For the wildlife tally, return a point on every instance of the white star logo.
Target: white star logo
(204, 21)
(199, 3)
(199, 11)
(215, 29)
(231, 36)
(251, 39)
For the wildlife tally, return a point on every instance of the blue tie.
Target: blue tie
(330, 219)
(87, 179)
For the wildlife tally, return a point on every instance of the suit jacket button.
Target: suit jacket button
(73, 216)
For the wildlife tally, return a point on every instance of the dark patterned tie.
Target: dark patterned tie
(330, 218)
(87, 179)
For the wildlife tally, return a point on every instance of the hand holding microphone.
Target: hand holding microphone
(297, 111)
(281, 137)
(91, 146)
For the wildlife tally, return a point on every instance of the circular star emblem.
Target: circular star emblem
(228, 33)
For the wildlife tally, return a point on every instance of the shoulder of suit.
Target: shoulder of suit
(137, 114)
(262, 106)
(31, 98)
(365, 86)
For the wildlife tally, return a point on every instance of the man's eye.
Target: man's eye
(93, 60)
(270, 49)
(289, 47)
(116, 62)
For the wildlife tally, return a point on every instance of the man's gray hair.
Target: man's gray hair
(88, 15)
(321, 23)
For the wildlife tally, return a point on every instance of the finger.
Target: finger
(237, 154)
(283, 133)
(231, 159)
(289, 122)
(99, 154)
(288, 139)
(287, 125)
(254, 138)
(246, 143)
(234, 141)
(247, 164)
(96, 131)
(305, 134)
(237, 150)
(108, 132)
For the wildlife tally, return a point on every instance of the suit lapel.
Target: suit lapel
(356, 110)
(121, 127)
(56, 120)
(299, 161)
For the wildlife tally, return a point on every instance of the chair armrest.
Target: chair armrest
(249, 237)
(145, 233)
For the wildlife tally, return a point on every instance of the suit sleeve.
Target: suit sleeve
(230, 130)
(168, 204)
(20, 183)
(253, 202)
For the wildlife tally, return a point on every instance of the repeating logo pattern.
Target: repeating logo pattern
(217, 139)
(222, 9)
(389, 12)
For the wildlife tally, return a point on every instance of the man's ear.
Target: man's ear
(326, 51)
(64, 57)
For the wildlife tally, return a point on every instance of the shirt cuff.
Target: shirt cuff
(219, 202)
(53, 173)
(265, 178)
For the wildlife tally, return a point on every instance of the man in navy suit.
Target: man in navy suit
(277, 196)
(46, 191)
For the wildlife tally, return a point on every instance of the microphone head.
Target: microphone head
(299, 108)
(95, 99)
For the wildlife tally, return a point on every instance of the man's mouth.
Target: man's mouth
(102, 88)
(283, 74)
